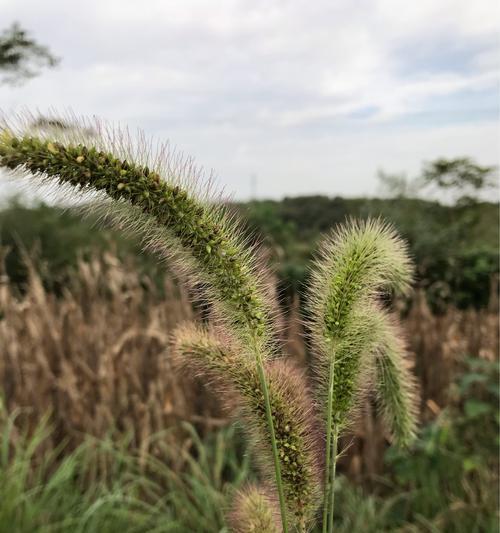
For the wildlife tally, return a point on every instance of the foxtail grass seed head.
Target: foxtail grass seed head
(220, 258)
(396, 388)
(358, 261)
(296, 430)
(255, 511)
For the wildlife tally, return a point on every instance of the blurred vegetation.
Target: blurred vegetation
(56, 239)
(449, 482)
(21, 57)
(455, 247)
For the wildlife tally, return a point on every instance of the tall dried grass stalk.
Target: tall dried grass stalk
(96, 357)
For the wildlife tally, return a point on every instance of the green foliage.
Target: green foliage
(452, 475)
(455, 248)
(461, 175)
(20, 56)
(101, 486)
(55, 239)
(449, 482)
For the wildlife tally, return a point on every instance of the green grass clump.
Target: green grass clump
(104, 486)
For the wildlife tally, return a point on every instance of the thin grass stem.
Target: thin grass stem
(270, 423)
(335, 439)
(328, 484)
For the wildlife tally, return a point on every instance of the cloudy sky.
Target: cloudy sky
(307, 96)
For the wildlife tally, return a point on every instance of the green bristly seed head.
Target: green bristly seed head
(196, 225)
(359, 260)
(395, 385)
(351, 365)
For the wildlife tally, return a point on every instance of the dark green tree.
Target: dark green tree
(463, 177)
(21, 57)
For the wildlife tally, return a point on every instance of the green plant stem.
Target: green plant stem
(328, 484)
(269, 416)
(335, 439)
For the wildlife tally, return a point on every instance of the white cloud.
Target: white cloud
(276, 79)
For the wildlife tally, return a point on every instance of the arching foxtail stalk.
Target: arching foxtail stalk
(202, 237)
(354, 264)
(291, 407)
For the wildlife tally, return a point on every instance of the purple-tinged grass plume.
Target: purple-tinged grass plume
(296, 428)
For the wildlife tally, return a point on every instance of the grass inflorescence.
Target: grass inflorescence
(198, 226)
(295, 426)
(254, 511)
(357, 262)
(396, 387)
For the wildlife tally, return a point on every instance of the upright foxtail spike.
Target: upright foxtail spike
(254, 511)
(356, 262)
(297, 433)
